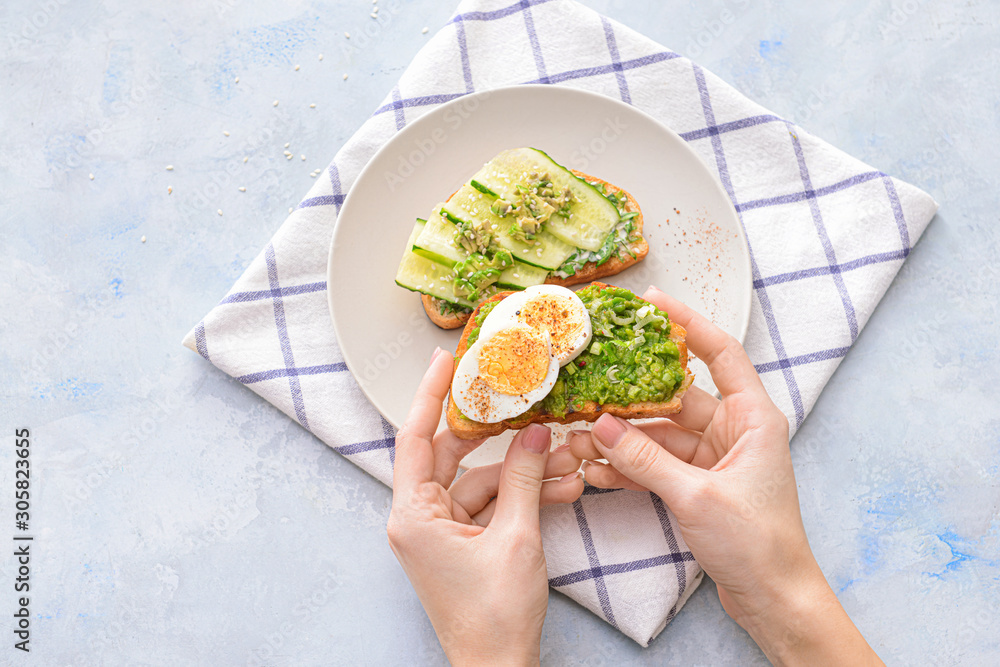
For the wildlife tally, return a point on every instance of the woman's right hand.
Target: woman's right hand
(725, 470)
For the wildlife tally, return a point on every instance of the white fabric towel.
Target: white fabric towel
(827, 235)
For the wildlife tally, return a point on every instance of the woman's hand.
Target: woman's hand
(724, 469)
(473, 548)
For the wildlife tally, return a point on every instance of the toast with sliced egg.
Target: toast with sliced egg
(520, 221)
(551, 355)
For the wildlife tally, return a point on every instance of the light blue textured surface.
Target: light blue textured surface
(180, 519)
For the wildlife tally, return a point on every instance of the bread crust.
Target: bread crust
(591, 411)
(443, 320)
(588, 273)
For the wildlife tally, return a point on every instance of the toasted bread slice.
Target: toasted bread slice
(588, 273)
(467, 429)
(443, 320)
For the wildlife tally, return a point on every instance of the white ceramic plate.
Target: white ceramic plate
(698, 252)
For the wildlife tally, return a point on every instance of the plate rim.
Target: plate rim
(745, 257)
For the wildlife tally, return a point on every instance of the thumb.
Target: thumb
(641, 459)
(521, 479)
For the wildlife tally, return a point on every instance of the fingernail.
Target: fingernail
(535, 438)
(572, 477)
(561, 448)
(654, 288)
(608, 431)
(578, 431)
(434, 356)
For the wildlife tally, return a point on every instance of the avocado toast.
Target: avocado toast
(522, 220)
(635, 367)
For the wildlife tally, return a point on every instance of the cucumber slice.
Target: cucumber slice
(470, 203)
(423, 275)
(436, 241)
(520, 275)
(592, 215)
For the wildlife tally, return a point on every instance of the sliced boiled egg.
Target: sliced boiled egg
(550, 307)
(505, 373)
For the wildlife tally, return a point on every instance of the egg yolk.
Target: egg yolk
(552, 313)
(515, 360)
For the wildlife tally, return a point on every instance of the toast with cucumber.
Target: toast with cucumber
(611, 352)
(521, 220)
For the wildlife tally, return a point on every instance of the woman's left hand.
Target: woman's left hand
(473, 548)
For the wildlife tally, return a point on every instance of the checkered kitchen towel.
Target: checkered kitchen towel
(827, 233)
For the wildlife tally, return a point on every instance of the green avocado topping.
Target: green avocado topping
(631, 358)
(478, 272)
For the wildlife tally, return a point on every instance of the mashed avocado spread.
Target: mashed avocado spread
(631, 358)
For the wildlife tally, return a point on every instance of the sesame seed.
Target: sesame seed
(312, 175)
(290, 209)
(312, 106)
(219, 211)
(287, 153)
(245, 158)
(143, 239)
(276, 103)
(236, 80)
(91, 177)
(224, 132)
(242, 189)
(347, 35)
(303, 157)
(289, 157)
(321, 56)
(296, 68)
(287, 145)
(375, 10)
(345, 76)
(374, 15)
(424, 31)
(170, 167)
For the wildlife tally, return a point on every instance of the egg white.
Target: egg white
(505, 314)
(480, 402)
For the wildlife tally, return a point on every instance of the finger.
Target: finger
(554, 492)
(521, 479)
(677, 440)
(699, 407)
(414, 458)
(642, 460)
(561, 462)
(726, 359)
(604, 476)
(449, 450)
(478, 486)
